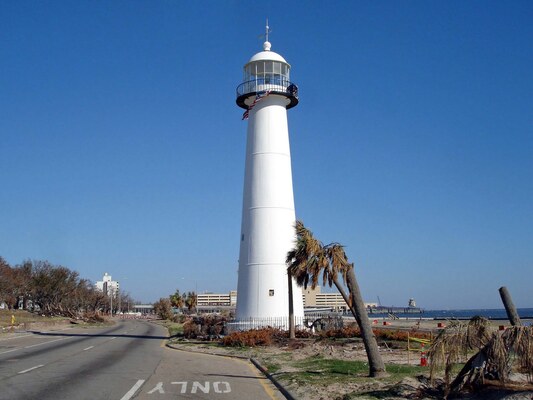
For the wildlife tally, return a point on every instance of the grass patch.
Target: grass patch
(317, 370)
(272, 367)
(174, 328)
(318, 364)
(23, 316)
(276, 362)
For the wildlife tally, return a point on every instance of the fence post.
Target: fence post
(292, 329)
(512, 314)
(408, 349)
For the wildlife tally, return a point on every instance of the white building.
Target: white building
(108, 286)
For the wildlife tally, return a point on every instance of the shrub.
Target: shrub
(383, 334)
(179, 318)
(206, 326)
(92, 317)
(302, 334)
(190, 329)
(399, 335)
(345, 332)
(163, 308)
(252, 338)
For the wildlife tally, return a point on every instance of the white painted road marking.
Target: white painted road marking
(158, 388)
(33, 345)
(31, 369)
(9, 351)
(40, 344)
(216, 386)
(183, 386)
(204, 387)
(15, 337)
(88, 348)
(198, 385)
(133, 390)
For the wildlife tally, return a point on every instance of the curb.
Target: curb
(171, 346)
(288, 395)
(285, 392)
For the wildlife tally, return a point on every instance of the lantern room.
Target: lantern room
(267, 71)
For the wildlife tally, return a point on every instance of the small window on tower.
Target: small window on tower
(271, 292)
(242, 237)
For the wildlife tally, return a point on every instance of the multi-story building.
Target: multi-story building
(217, 299)
(107, 285)
(312, 298)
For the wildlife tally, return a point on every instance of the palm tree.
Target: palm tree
(309, 260)
(176, 300)
(191, 300)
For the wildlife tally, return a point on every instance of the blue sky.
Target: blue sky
(122, 149)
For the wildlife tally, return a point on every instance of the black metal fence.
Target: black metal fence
(310, 322)
(275, 84)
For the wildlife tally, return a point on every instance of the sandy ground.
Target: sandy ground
(347, 350)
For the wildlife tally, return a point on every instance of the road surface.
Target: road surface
(121, 362)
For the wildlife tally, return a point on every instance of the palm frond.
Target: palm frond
(495, 353)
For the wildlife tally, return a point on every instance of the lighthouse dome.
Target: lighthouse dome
(266, 54)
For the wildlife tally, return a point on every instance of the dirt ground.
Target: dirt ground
(361, 387)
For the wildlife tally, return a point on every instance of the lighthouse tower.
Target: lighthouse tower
(268, 217)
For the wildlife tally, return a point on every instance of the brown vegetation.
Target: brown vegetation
(497, 355)
(52, 290)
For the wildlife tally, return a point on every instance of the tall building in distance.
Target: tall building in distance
(268, 216)
(107, 285)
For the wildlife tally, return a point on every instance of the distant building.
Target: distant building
(108, 286)
(312, 298)
(217, 299)
(143, 309)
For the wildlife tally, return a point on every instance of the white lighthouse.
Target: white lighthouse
(268, 216)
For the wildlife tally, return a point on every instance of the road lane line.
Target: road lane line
(88, 348)
(50, 341)
(133, 390)
(9, 351)
(15, 337)
(31, 369)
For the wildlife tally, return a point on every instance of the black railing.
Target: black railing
(275, 84)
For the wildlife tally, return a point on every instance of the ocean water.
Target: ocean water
(496, 313)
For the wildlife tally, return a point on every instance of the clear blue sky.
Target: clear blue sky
(122, 149)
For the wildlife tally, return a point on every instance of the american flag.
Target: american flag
(256, 100)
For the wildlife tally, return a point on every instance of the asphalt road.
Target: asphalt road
(121, 362)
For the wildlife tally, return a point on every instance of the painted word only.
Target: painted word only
(194, 387)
